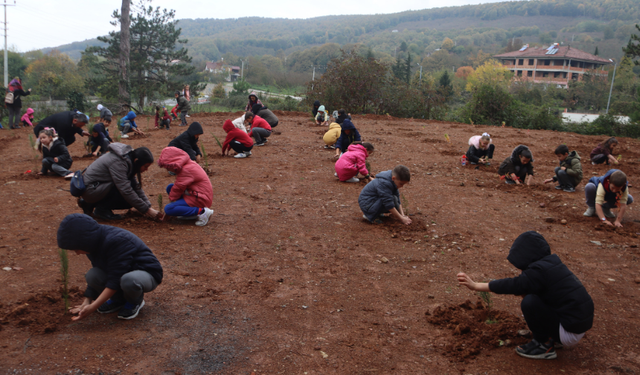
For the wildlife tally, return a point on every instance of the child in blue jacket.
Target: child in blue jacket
(127, 123)
(124, 268)
(348, 135)
(557, 307)
(606, 192)
(381, 195)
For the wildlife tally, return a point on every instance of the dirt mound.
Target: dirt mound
(40, 313)
(476, 328)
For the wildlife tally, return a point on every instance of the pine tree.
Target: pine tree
(633, 48)
(407, 73)
(596, 53)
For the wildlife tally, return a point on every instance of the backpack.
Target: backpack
(8, 99)
(77, 186)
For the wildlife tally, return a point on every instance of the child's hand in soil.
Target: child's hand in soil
(152, 213)
(406, 220)
(617, 224)
(464, 279)
(79, 308)
(548, 180)
(95, 153)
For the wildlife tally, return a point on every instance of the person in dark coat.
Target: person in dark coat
(266, 114)
(55, 156)
(15, 86)
(188, 141)
(123, 267)
(105, 113)
(517, 168)
(342, 115)
(112, 185)
(348, 135)
(67, 124)
(183, 107)
(314, 109)
(556, 306)
(99, 139)
(381, 195)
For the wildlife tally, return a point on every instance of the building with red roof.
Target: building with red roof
(554, 64)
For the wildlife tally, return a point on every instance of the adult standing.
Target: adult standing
(67, 125)
(15, 87)
(114, 182)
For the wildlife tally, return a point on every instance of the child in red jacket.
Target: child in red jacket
(237, 139)
(162, 118)
(192, 193)
(260, 128)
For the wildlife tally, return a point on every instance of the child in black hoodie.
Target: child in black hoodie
(517, 168)
(557, 307)
(124, 268)
(188, 141)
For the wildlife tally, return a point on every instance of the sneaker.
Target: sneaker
(106, 214)
(569, 189)
(590, 211)
(536, 350)
(86, 208)
(607, 212)
(353, 179)
(336, 174)
(560, 187)
(248, 153)
(260, 144)
(124, 136)
(187, 116)
(509, 181)
(112, 305)
(240, 155)
(203, 218)
(129, 310)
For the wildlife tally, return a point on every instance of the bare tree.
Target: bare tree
(125, 47)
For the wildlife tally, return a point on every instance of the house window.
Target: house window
(521, 62)
(519, 73)
(545, 75)
(530, 73)
(547, 62)
(564, 75)
(530, 61)
(556, 74)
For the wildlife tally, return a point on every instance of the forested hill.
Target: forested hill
(585, 24)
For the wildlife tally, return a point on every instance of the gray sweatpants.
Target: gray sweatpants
(260, 134)
(134, 284)
(590, 190)
(563, 178)
(126, 126)
(183, 118)
(49, 165)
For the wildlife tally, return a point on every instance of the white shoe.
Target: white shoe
(240, 155)
(248, 153)
(203, 218)
(187, 116)
(124, 136)
(353, 179)
(590, 211)
(336, 174)
(259, 144)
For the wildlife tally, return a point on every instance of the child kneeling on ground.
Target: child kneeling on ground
(123, 267)
(354, 161)
(331, 136)
(192, 193)
(517, 168)
(55, 155)
(603, 152)
(99, 138)
(569, 173)
(127, 124)
(260, 128)
(237, 139)
(556, 306)
(480, 149)
(606, 192)
(381, 195)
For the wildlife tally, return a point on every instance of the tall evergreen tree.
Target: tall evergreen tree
(407, 69)
(633, 48)
(596, 53)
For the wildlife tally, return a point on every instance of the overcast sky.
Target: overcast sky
(35, 24)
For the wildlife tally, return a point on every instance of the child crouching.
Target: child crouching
(606, 192)
(569, 173)
(480, 149)
(55, 156)
(192, 193)
(556, 306)
(237, 139)
(517, 168)
(354, 161)
(381, 195)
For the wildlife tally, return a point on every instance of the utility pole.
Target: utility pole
(420, 72)
(612, 79)
(313, 77)
(242, 72)
(6, 57)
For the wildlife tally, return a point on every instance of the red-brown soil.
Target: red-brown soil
(287, 278)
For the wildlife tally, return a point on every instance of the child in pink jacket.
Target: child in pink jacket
(27, 117)
(354, 161)
(192, 193)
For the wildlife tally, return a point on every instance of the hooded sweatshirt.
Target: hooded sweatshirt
(509, 165)
(234, 133)
(114, 169)
(27, 117)
(102, 134)
(266, 114)
(130, 118)
(105, 113)
(322, 114)
(63, 123)
(352, 162)
(331, 136)
(187, 141)
(346, 139)
(57, 149)
(314, 110)
(544, 275)
(190, 178)
(259, 122)
(574, 167)
(183, 104)
(252, 103)
(113, 250)
(377, 196)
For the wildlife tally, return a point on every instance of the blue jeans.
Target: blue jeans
(590, 190)
(179, 207)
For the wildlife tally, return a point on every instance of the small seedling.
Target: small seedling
(205, 157)
(405, 204)
(32, 141)
(446, 137)
(160, 203)
(64, 273)
(619, 157)
(366, 164)
(471, 121)
(503, 123)
(486, 298)
(217, 141)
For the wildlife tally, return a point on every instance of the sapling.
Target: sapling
(32, 142)
(205, 157)
(64, 271)
(217, 141)
(446, 137)
(160, 203)
(366, 164)
(405, 204)
(486, 298)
